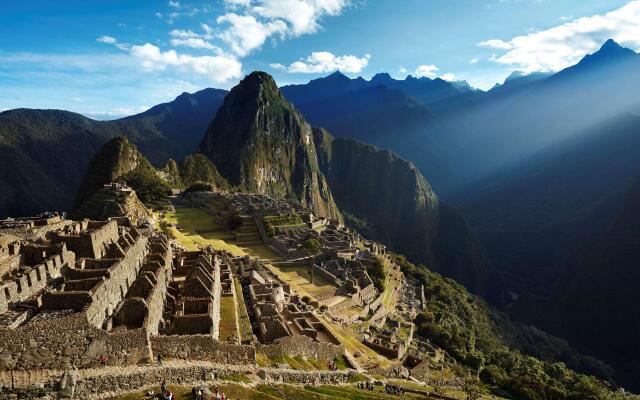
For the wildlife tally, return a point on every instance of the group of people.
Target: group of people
(203, 393)
(366, 385)
(393, 389)
(165, 392)
(332, 365)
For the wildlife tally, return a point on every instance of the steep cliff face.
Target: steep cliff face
(595, 303)
(260, 143)
(387, 199)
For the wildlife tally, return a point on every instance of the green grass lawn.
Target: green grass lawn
(228, 325)
(195, 228)
(246, 333)
(265, 392)
(299, 279)
(390, 284)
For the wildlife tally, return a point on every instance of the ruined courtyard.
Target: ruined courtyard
(256, 285)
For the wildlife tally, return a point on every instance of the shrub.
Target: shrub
(200, 187)
(311, 245)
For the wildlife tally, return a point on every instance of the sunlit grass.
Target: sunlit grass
(299, 279)
(228, 325)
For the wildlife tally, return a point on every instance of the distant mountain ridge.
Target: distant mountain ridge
(46, 152)
(261, 143)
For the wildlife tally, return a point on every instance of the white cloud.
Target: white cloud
(192, 39)
(496, 44)
(174, 4)
(245, 33)
(473, 61)
(106, 39)
(426, 71)
(183, 34)
(237, 3)
(195, 43)
(301, 15)
(563, 45)
(207, 29)
(402, 71)
(252, 22)
(117, 112)
(113, 41)
(278, 66)
(431, 71)
(449, 77)
(219, 68)
(323, 61)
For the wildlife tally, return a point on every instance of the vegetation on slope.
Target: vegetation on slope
(120, 161)
(260, 143)
(486, 341)
(194, 169)
(389, 200)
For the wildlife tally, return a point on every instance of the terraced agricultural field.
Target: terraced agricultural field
(299, 279)
(195, 228)
(286, 392)
(228, 326)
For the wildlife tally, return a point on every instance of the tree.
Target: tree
(471, 388)
(311, 245)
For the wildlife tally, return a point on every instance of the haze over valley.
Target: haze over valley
(385, 215)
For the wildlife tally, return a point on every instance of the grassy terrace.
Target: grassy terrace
(278, 392)
(246, 333)
(299, 279)
(390, 283)
(195, 228)
(347, 336)
(299, 363)
(272, 222)
(228, 326)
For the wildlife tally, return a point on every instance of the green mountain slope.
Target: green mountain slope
(523, 361)
(261, 144)
(46, 152)
(388, 199)
(595, 302)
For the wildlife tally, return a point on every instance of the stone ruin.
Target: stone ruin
(94, 292)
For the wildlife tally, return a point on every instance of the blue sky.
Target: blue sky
(109, 58)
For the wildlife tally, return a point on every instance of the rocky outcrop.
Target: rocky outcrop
(193, 169)
(260, 143)
(111, 202)
(114, 160)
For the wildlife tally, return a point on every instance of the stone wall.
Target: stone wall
(97, 385)
(33, 278)
(300, 345)
(90, 244)
(60, 342)
(271, 375)
(111, 292)
(203, 348)
(100, 386)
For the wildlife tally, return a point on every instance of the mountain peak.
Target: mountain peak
(260, 143)
(610, 45)
(257, 80)
(338, 76)
(609, 52)
(381, 77)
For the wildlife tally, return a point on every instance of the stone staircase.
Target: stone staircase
(247, 232)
